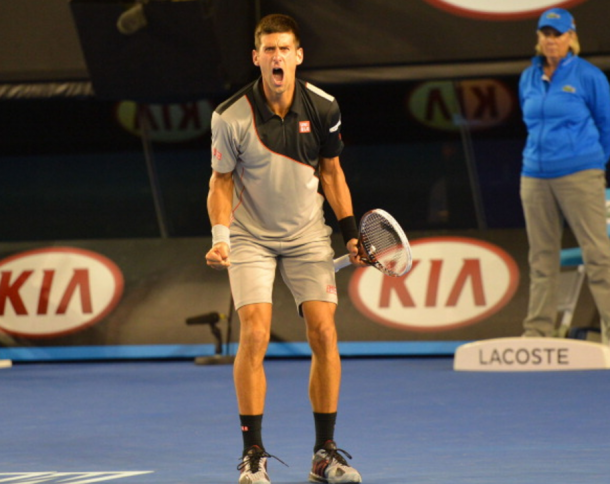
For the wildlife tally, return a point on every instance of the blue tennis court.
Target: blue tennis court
(405, 420)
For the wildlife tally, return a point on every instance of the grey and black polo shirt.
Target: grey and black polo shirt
(275, 161)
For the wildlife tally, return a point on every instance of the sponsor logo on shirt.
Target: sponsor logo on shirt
(304, 127)
(216, 154)
(331, 289)
(568, 88)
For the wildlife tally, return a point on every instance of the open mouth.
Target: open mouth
(278, 75)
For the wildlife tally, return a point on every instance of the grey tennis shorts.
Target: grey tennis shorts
(306, 266)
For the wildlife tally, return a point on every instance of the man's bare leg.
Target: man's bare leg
(248, 371)
(325, 374)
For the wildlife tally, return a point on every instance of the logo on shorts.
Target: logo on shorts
(331, 289)
(304, 127)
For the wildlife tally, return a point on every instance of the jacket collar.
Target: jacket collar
(538, 61)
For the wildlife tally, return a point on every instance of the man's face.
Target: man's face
(278, 58)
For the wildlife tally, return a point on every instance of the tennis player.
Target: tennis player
(274, 143)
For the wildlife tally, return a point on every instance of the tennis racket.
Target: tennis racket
(384, 243)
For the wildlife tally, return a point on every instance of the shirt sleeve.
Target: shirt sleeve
(598, 101)
(224, 150)
(333, 144)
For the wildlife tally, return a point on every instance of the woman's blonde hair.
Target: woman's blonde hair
(574, 45)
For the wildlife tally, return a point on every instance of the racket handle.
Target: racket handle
(342, 262)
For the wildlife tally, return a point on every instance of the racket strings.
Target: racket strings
(384, 245)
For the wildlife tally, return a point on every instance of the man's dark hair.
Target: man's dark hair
(274, 24)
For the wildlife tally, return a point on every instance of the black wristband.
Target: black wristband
(349, 229)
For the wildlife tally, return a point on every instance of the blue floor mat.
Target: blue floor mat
(405, 421)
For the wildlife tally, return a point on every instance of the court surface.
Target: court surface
(404, 420)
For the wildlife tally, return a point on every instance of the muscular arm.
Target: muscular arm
(220, 198)
(338, 195)
(220, 201)
(335, 187)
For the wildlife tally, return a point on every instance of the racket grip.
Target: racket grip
(342, 262)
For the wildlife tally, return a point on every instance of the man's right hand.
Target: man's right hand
(356, 254)
(218, 256)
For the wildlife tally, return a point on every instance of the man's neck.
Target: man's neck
(279, 103)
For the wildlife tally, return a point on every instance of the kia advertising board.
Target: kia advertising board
(56, 291)
(454, 282)
(132, 298)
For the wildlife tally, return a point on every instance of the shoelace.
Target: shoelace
(333, 453)
(254, 458)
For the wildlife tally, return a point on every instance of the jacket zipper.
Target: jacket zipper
(546, 84)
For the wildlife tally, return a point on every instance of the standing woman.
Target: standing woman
(565, 102)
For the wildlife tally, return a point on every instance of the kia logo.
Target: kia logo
(56, 291)
(500, 9)
(454, 282)
(444, 105)
(167, 123)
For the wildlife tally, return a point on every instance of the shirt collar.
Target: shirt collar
(264, 108)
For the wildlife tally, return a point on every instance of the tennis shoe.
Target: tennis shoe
(330, 467)
(253, 468)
